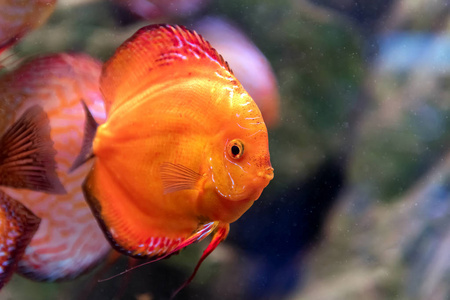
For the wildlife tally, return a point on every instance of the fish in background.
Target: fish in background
(26, 161)
(179, 7)
(248, 63)
(153, 9)
(68, 241)
(184, 149)
(17, 18)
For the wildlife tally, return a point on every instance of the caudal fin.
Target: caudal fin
(90, 129)
(27, 156)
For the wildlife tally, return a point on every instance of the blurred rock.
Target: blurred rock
(418, 15)
(387, 251)
(368, 14)
(407, 129)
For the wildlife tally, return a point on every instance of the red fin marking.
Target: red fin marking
(199, 235)
(132, 67)
(219, 235)
(178, 43)
(202, 232)
(27, 154)
(17, 227)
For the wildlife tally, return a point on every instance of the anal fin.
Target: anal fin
(202, 231)
(27, 156)
(220, 234)
(11, 41)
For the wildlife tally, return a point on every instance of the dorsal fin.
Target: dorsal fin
(150, 54)
(90, 128)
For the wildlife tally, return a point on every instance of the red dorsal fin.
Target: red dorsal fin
(152, 54)
(27, 154)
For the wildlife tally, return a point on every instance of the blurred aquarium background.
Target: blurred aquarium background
(360, 204)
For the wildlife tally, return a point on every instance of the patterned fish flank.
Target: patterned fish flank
(68, 242)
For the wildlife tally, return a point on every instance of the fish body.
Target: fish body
(68, 241)
(18, 17)
(184, 149)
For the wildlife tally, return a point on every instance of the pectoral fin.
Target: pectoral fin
(27, 156)
(176, 177)
(116, 215)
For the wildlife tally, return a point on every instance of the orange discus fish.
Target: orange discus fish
(26, 161)
(184, 151)
(68, 241)
(17, 17)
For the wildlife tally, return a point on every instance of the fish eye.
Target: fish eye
(236, 148)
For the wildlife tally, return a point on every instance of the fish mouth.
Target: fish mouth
(252, 190)
(267, 174)
(261, 181)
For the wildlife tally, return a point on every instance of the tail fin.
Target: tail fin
(27, 156)
(90, 129)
